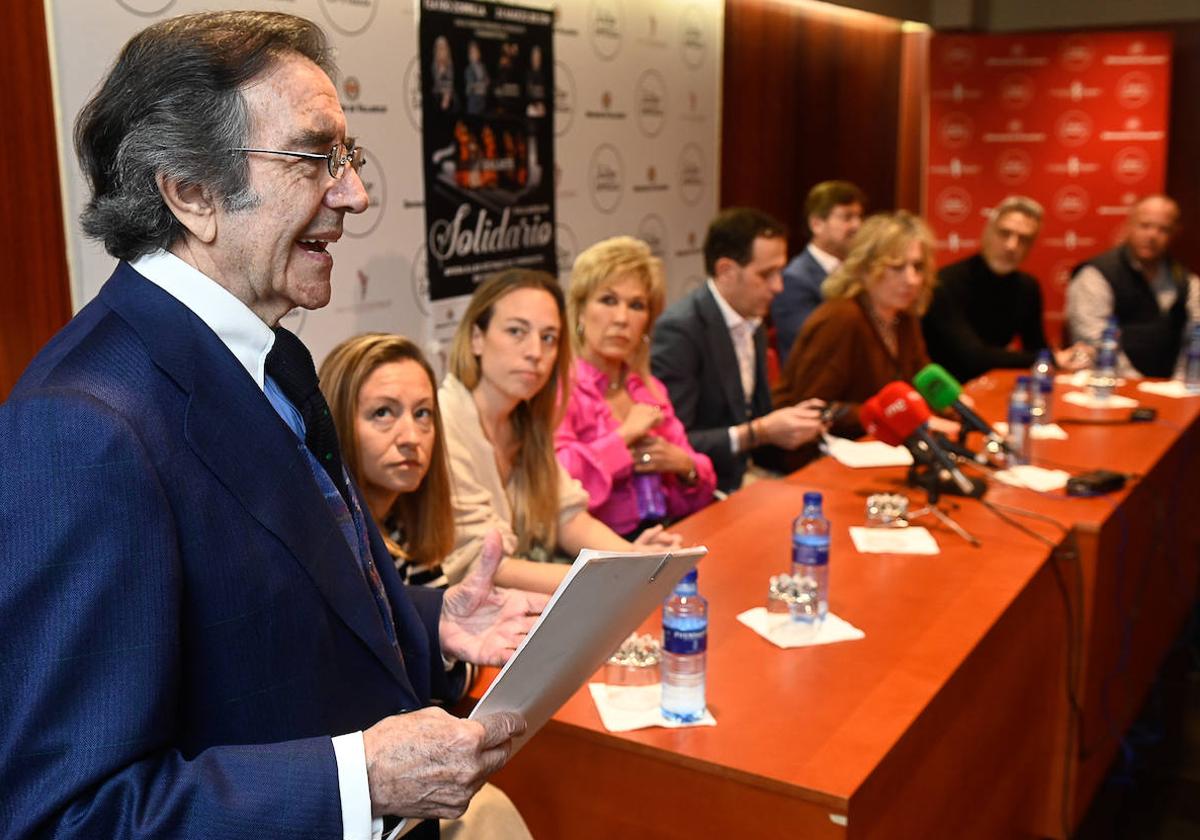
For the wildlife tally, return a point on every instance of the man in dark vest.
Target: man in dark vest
(1151, 295)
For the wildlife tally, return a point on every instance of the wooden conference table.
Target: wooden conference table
(986, 700)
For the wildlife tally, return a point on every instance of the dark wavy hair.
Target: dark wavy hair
(172, 105)
(732, 233)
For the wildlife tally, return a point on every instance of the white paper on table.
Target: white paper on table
(1087, 400)
(603, 597)
(1171, 388)
(620, 716)
(911, 540)
(779, 629)
(1082, 378)
(866, 453)
(1037, 431)
(1030, 477)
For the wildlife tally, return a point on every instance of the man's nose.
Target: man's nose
(348, 193)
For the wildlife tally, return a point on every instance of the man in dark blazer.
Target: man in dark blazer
(834, 211)
(709, 349)
(204, 636)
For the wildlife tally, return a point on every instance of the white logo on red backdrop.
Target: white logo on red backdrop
(1014, 166)
(1016, 91)
(1071, 203)
(958, 54)
(1076, 54)
(1134, 89)
(1074, 128)
(956, 130)
(1131, 164)
(953, 204)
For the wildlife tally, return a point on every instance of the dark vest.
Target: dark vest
(1149, 337)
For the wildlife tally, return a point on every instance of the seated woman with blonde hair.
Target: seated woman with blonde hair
(620, 437)
(868, 331)
(501, 400)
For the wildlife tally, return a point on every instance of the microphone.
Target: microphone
(941, 391)
(898, 416)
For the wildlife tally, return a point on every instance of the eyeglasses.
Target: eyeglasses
(340, 155)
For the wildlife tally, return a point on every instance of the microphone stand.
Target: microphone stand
(929, 480)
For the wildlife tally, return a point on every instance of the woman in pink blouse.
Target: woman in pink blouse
(619, 436)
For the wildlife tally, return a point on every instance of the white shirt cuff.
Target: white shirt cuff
(355, 793)
(733, 441)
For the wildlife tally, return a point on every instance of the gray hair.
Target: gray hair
(172, 105)
(1022, 204)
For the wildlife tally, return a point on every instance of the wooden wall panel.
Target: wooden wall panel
(808, 95)
(35, 296)
(1183, 163)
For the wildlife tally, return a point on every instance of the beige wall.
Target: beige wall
(1015, 15)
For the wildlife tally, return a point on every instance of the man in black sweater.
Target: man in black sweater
(983, 302)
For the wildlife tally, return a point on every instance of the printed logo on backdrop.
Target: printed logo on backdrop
(653, 231)
(957, 93)
(564, 98)
(1077, 91)
(651, 103)
(651, 182)
(1135, 55)
(958, 55)
(693, 112)
(1014, 166)
(692, 247)
(412, 91)
(146, 8)
(953, 205)
(566, 249)
(692, 39)
(419, 281)
(606, 178)
(955, 243)
(350, 17)
(360, 303)
(561, 28)
(560, 188)
(1134, 89)
(1072, 240)
(604, 28)
(956, 130)
(1073, 166)
(488, 149)
(1076, 54)
(692, 174)
(956, 169)
(653, 37)
(358, 225)
(1016, 91)
(351, 93)
(1130, 165)
(605, 112)
(1016, 58)
(1071, 203)
(1074, 128)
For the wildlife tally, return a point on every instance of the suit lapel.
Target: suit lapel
(720, 344)
(236, 433)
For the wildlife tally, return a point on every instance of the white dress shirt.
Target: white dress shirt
(741, 332)
(824, 259)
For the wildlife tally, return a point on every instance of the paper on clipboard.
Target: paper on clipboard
(601, 600)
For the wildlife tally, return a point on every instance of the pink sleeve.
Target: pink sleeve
(682, 499)
(594, 462)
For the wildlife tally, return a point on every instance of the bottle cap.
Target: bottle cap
(1043, 355)
(689, 578)
(1023, 380)
(812, 497)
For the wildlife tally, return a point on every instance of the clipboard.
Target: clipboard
(603, 598)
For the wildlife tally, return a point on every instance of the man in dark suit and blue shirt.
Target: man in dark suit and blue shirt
(834, 210)
(204, 636)
(709, 349)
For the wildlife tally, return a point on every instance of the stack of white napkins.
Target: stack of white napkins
(1089, 400)
(1038, 431)
(1171, 388)
(911, 540)
(624, 708)
(780, 630)
(866, 453)
(1030, 477)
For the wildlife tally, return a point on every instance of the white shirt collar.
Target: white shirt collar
(732, 319)
(245, 334)
(824, 259)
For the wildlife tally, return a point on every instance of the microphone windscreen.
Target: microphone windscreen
(937, 386)
(870, 415)
(902, 408)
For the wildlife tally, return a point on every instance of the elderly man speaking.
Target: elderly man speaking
(203, 633)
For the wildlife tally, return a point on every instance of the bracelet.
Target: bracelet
(753, 438)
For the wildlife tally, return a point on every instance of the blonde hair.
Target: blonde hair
(534, 477)
(883, 238)
(607, 261)
(425, 516)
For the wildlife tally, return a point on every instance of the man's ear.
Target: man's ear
(723, 266)
(194, 206)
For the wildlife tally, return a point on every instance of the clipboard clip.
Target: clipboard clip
(659, 567)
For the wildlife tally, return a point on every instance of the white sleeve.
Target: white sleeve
(351, 757)
(1089, 306)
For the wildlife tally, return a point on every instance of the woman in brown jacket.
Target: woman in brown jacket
(868, 331)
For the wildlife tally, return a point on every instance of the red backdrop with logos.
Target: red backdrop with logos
(1077, 122)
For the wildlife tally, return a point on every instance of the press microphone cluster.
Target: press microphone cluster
(898, 416)
(942, 391)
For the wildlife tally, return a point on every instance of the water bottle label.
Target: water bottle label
(810, 554)
(685, 641)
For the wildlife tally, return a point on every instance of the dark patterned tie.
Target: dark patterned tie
(291, 366)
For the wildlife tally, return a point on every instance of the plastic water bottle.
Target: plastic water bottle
(1020, 419)
(810, 559)
(648, 490)
(1104, 373)
(1042, 382)
(685, 643)
(1191, 363)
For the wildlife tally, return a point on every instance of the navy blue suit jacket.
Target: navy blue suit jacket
(184, 626)
(802, 279)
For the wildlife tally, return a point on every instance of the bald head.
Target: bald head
(1152, 223)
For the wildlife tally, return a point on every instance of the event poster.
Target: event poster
(487, 141)
(1076, 121)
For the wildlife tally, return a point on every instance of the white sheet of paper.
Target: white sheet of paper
(1038, 431)
(780, 630)
(1170, 388)
(602, 599)
(867, 453)
(911, 540)
(1033, 478)
(1087, 400)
